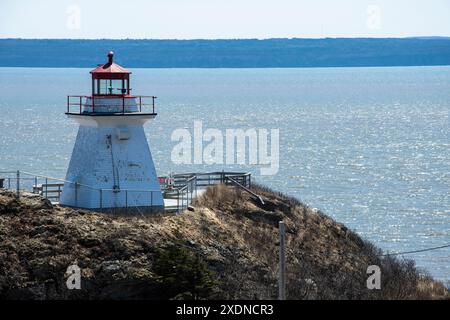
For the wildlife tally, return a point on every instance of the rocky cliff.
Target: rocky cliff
(225, 246)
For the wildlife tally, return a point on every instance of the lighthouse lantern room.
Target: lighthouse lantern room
(111, 165)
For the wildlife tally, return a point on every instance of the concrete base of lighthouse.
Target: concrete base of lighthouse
(112, 166)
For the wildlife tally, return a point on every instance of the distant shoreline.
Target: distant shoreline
(247, 53)
(238, 68)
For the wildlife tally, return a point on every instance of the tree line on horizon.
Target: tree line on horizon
(246, 53)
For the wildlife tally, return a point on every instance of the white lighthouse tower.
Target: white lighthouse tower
(111, 164)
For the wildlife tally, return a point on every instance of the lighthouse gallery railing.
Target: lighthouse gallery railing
(75, 104)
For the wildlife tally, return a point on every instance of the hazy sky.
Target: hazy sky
(193, 19)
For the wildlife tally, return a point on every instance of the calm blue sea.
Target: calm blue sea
(368, 146)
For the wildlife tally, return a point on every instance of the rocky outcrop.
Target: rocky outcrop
(225, 246)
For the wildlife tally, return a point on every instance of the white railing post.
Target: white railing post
(178, 201)
(196, 187)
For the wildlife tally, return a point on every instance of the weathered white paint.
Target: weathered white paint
(111, 153)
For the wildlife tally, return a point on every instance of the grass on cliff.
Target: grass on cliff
(226, 247)
(325, 260)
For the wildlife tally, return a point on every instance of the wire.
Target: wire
(415, 251)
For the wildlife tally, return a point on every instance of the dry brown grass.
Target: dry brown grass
(233, 234)
(325, 260)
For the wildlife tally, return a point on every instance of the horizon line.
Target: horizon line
(227, 39)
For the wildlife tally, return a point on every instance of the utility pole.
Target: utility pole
(282, 267)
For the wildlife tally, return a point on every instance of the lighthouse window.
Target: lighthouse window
(109, 86)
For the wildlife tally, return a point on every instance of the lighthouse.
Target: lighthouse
(111, 165)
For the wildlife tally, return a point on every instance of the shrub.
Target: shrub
(183, 274)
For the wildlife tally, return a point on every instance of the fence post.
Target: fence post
(18, 184)
(178, 201)
(46, 188)
(282, 275)
(190, 193)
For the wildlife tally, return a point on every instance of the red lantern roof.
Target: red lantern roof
(110, 70)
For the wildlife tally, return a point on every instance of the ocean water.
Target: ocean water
(368, 146)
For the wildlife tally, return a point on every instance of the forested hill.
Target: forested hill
(250, 53)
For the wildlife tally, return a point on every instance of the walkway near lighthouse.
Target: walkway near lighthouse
(171, 204)
(178, 190)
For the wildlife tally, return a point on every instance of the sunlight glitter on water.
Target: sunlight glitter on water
(370, 150)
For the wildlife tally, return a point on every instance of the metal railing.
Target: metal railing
(20, 181)
(180, 188)
(185, 194)
(211, 178)
(101, 199)
(184, 187)
(240, 185)
(126, 200)
(78, 104)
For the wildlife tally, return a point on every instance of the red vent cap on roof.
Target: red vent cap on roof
(110, 70)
